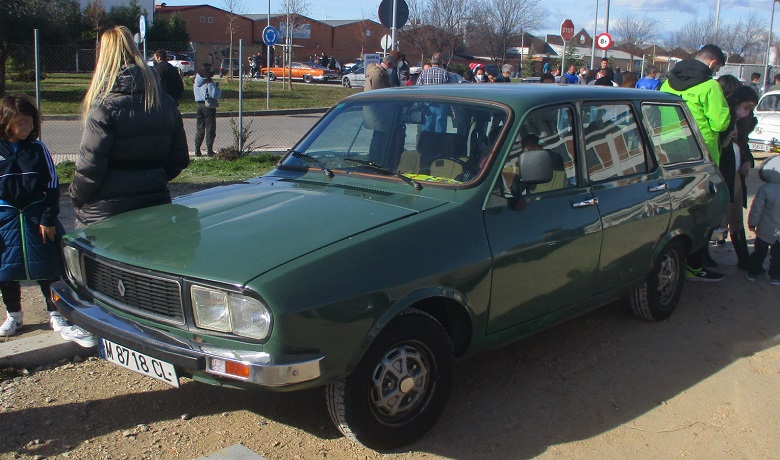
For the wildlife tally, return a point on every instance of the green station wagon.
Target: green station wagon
(409, 228)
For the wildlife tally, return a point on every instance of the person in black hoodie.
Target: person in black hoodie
(735, 163)
(170, 79)
(29, 207)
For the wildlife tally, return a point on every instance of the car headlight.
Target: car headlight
(73, 264)
(223, 311)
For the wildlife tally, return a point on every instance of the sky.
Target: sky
(670, 14)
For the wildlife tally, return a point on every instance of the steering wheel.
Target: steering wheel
(469, 171)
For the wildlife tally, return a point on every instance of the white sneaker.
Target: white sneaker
(79, 335)
(57, 321)
(11, 324)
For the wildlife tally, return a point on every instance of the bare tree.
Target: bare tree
(435, 26)
(294, 9)
(693, 34)
(746, 38)
(234, 9)
(634, 32)
(95, 15)
(498, 23)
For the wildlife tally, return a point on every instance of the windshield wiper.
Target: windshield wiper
(328, 173)
(383, 169)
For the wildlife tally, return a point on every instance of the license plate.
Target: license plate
(139, 362)
(758, 147)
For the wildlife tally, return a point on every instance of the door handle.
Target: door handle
(658, 188)
(582, 204)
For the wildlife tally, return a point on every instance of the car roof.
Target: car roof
(520, 95)
(775, 92)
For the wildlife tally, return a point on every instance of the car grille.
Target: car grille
(140, 293)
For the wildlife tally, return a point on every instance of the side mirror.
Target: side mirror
(536, 167)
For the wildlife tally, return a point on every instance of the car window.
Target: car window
(671, 135)
(769, 103)
(432, 141)
(613, 142)
(548, 129)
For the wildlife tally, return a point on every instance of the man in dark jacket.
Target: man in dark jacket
(170, 80)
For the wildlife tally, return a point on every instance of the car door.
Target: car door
(632, 194)
(544, 239)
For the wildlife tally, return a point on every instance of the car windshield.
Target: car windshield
(434, 142)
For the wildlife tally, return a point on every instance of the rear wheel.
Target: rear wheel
(271, 76)
(657, 298)
(400, 387)
(307, 79)
(346, 83)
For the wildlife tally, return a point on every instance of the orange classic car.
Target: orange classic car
(307, 72)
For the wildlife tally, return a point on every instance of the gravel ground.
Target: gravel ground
(702, 384)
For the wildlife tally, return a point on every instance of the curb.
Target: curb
(39, 350)
(254, 113)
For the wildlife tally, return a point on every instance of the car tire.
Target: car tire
(383, 406)
(657, 298)
(271, 76)
(346, 83)
(307, 79)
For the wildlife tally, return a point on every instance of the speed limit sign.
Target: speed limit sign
(604, 41)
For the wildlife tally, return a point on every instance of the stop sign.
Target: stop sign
(567, 30)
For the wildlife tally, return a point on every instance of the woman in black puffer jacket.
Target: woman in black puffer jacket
(134, 141)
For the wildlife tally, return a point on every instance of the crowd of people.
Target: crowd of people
(134, 144)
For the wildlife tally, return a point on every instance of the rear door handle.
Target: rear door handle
(582, 204)
(658, 188)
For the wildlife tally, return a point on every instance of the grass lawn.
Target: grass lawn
(62, 94)
(205, 170)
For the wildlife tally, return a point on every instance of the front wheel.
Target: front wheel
(271, 76)
(307, 79)
(345, 81)
(657, 298)
(400, 387)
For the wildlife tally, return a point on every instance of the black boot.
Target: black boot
(739, 241)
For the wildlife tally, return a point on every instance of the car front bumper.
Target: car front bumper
(188, 356)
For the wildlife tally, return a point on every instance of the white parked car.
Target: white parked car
(355, 78)
(184, 63)
(766, 137)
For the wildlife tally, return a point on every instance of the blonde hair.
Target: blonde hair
(117, 51)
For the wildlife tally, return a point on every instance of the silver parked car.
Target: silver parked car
(355, 78)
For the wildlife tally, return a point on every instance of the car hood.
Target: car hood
(234, 233)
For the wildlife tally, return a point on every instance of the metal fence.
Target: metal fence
(743, 72)
(67, 70)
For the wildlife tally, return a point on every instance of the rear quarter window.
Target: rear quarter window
(671, 134)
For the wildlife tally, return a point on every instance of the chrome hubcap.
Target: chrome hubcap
(668, 275)
(400, 381)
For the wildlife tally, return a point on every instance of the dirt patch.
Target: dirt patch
(705, 383)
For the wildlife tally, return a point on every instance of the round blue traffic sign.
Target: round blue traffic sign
(270, 35)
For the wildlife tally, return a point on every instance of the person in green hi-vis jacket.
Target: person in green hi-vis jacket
(692, 80)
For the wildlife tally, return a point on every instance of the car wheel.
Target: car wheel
(271, 76)
(657, 298)
(400, 387)
(307, 79)
(346, 83)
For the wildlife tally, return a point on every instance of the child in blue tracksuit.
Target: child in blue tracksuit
(29, 207)
(764, 220)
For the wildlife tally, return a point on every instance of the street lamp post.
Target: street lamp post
(769, 44)
(595, 34)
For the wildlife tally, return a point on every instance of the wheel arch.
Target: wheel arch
(676, 236)
(446, 306)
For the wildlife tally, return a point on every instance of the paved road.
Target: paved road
(268, 132)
